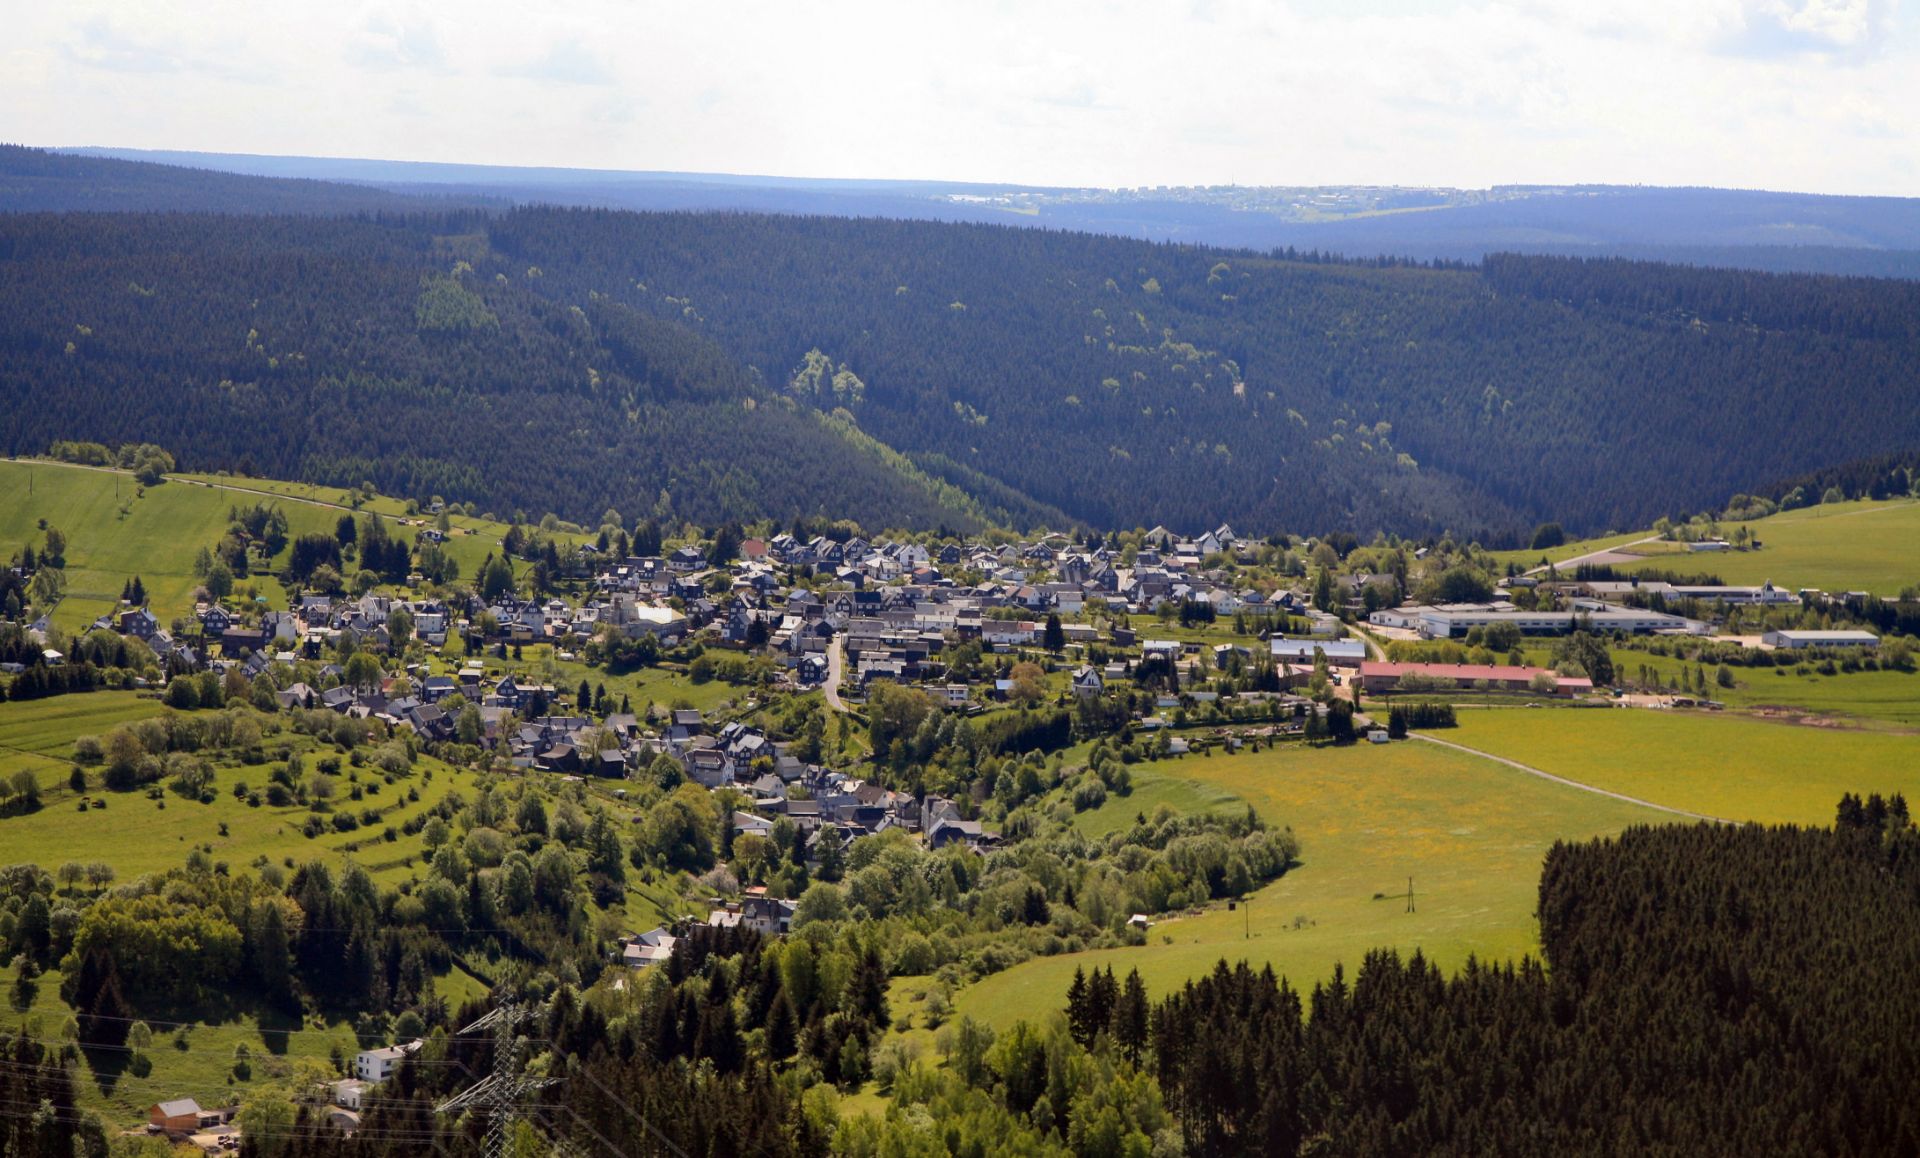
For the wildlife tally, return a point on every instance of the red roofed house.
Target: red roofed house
(1385, 677)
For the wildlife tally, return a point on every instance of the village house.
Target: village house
(376, 1065)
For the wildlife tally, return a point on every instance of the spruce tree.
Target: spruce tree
(1078, 1022)
(1130, 1018)
(783, 1035)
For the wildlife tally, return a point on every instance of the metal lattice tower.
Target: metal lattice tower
(499, 1095)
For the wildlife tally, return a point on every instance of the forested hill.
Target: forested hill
(1138, 383)
(34, 180)
(688, 363)
(340, 350)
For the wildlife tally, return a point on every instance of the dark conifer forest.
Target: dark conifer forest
(1705, 991)
(711, 366)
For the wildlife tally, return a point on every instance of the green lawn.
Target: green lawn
(1714, 763)
(470, 540)
(661, 687)
(156, 537)
(1470, 833)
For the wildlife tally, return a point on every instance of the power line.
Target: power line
(499, 1094)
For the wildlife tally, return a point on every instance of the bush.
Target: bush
(1089, 795)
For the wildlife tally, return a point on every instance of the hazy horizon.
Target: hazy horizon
(1779, 95)
(163, 155)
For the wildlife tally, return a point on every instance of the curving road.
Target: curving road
(1531, 771)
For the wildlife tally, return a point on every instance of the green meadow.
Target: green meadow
(1719, 764)
(198, 1064)
(115, 529)
(1851, 546)
(1470, 833)
(1854, 546)
(1888, 697)
(138, 835)
(1571, 550)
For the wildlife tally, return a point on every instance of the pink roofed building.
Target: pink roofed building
(1376, 676)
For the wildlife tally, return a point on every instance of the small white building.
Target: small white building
(347, 1093)
(376, 1065)
(1800, 639)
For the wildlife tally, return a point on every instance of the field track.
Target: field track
(1531, 771)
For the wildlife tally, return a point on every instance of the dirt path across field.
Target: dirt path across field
(1531, 771)
(1607, 557)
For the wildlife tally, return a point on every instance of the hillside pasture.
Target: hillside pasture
(135, 834)
(1719, 764)
(1469, 832)
(1887, 697)
(116, 530)
(1851, 546)
(1858, 545)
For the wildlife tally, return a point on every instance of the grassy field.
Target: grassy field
(1857, 546)
(1530, 559)
(471, 539)
(1714, 763)
(1888, 697)
(1851, 546)
(1470, 833)
(115, 530)
(39, 734)
(199, 1065)
(113, 535)
(137, 835)
(1152, 789)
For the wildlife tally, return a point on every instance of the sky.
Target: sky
(1802, 95)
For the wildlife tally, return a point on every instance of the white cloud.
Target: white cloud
(566, 60)
(386, 39)
(1802, 94)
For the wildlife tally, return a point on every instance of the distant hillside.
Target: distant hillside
(34, 180)
(334, 350)
(1741, 229)
(911, 373)
(1135, 383)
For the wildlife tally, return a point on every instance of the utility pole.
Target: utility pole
(1246, 918)
(499, 1094)
(1410, 894)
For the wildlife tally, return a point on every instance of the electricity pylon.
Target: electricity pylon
(499, 1095)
